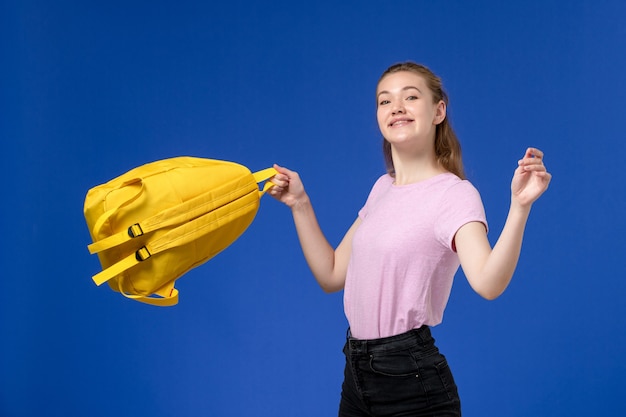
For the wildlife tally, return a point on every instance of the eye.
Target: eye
(411, 98)
(383, 102)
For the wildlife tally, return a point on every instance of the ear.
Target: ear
(440, 112)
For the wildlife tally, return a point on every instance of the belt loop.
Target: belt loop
(349, 341)
(423, 333)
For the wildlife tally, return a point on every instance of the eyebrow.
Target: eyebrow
(408, 87)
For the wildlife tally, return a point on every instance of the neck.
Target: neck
(415, 168)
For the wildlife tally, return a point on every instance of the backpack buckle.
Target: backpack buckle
(135, 230)
(142, 254)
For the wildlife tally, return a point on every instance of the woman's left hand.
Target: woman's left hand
(530, 179)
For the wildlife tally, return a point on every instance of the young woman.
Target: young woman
(397, 261)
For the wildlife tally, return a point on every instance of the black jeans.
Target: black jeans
(402, 375)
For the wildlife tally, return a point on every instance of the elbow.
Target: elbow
(489, 287)
(331, 284)
(330, 288)
(487, 291)
(489, 294)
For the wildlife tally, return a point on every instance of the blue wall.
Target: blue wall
(91, 90)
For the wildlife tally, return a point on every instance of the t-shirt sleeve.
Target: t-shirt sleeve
(460, 204)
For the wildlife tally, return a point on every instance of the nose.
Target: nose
(397, 108)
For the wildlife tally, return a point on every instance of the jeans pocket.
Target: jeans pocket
(395, 364)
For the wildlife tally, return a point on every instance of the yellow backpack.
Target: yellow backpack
(154, 223)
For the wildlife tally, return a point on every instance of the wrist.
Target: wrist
(301, 204)
(518, 208)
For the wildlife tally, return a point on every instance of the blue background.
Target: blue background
(90, 90)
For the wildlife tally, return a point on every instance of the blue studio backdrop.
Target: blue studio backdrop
(90, 90)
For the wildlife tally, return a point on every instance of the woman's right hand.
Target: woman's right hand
(288, 187)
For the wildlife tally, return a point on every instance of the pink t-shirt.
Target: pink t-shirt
(403, 263)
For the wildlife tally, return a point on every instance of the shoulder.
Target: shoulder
(383, 182)
(453, 186)
(380, 187)
(460, 197)
(460, 204)
(384, 179)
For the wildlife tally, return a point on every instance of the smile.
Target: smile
(400, 122)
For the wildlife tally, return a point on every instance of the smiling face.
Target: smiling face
(406, 112)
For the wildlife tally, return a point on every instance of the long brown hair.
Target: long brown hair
(447, 145)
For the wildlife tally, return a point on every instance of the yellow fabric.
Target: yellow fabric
(154, 223)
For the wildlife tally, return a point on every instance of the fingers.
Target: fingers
(533, 153)
(288, 187)
(289, 173)
(281, 179)
(533, 161)
(287, 183)
(533, 164)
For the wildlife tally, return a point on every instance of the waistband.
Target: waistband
(406, 340)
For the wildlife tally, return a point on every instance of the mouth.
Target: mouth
(401, 121)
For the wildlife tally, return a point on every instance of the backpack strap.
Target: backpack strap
(264, 175)
(167, 296)
(178, 214)
(179, 236)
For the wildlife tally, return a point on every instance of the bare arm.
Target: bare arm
(328, 265)
(489, 271)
